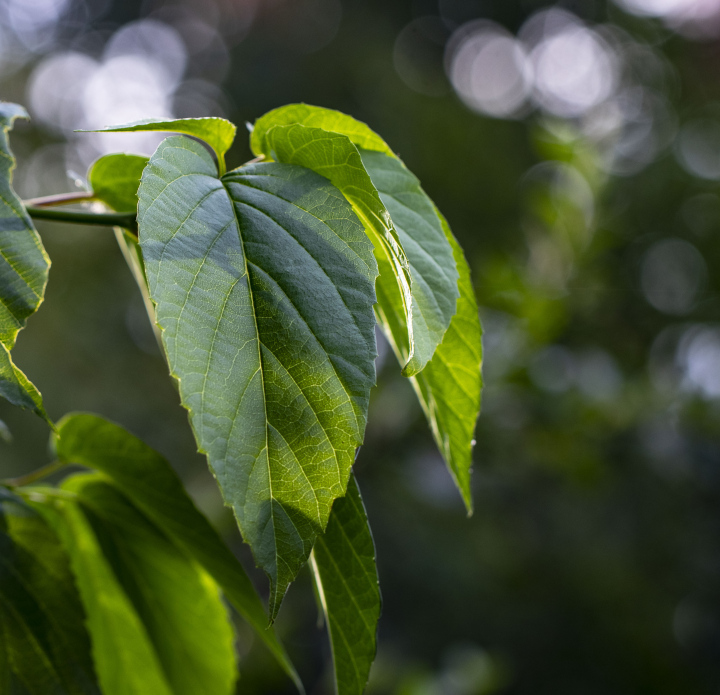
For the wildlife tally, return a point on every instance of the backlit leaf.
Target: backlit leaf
(124, 658)
(147, 479)
(115, 179)
(346, 576)
(263, 284)
(177, 601)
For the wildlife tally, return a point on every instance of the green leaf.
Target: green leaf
(449, 388)
(147, 479)
(216, 132)
(124, 658)
(432, 265)
(44, 647)
(334, 156)
(115, 179)
(316, 117)
(17, 388)
(449, 391)
(347, 581)
(177, 602)
(263, 284)
(24, 269)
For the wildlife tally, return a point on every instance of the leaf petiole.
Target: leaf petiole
(126, 220)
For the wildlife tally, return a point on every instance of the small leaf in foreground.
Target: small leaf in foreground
(149, 481)
(346, 576)
(177, 602)
(263, 283)
(44, 647)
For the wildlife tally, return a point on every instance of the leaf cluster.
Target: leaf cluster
(265, 284)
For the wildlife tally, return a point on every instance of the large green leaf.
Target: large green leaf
(177, 601)
(334, 156)
(346, 576)
(263, 284)
(44, 647)
(24, 269)
(216, 132)
(123, 653)
(147, 479)
(449, 388)
(115, 179)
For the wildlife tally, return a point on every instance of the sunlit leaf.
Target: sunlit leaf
(115, 179)
(263, 283)
(346, 576)
(23, 271)
(44, 647)
(177, 602)
(219, 133)
(147, 479)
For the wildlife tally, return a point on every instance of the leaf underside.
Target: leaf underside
(146, 478)
(346, 576)
(24, 269)
(263, 286)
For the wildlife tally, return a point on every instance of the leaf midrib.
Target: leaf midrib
(262, 382)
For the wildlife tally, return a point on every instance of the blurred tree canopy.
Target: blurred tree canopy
(575, 149)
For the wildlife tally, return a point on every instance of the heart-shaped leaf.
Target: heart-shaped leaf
(263, 286)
